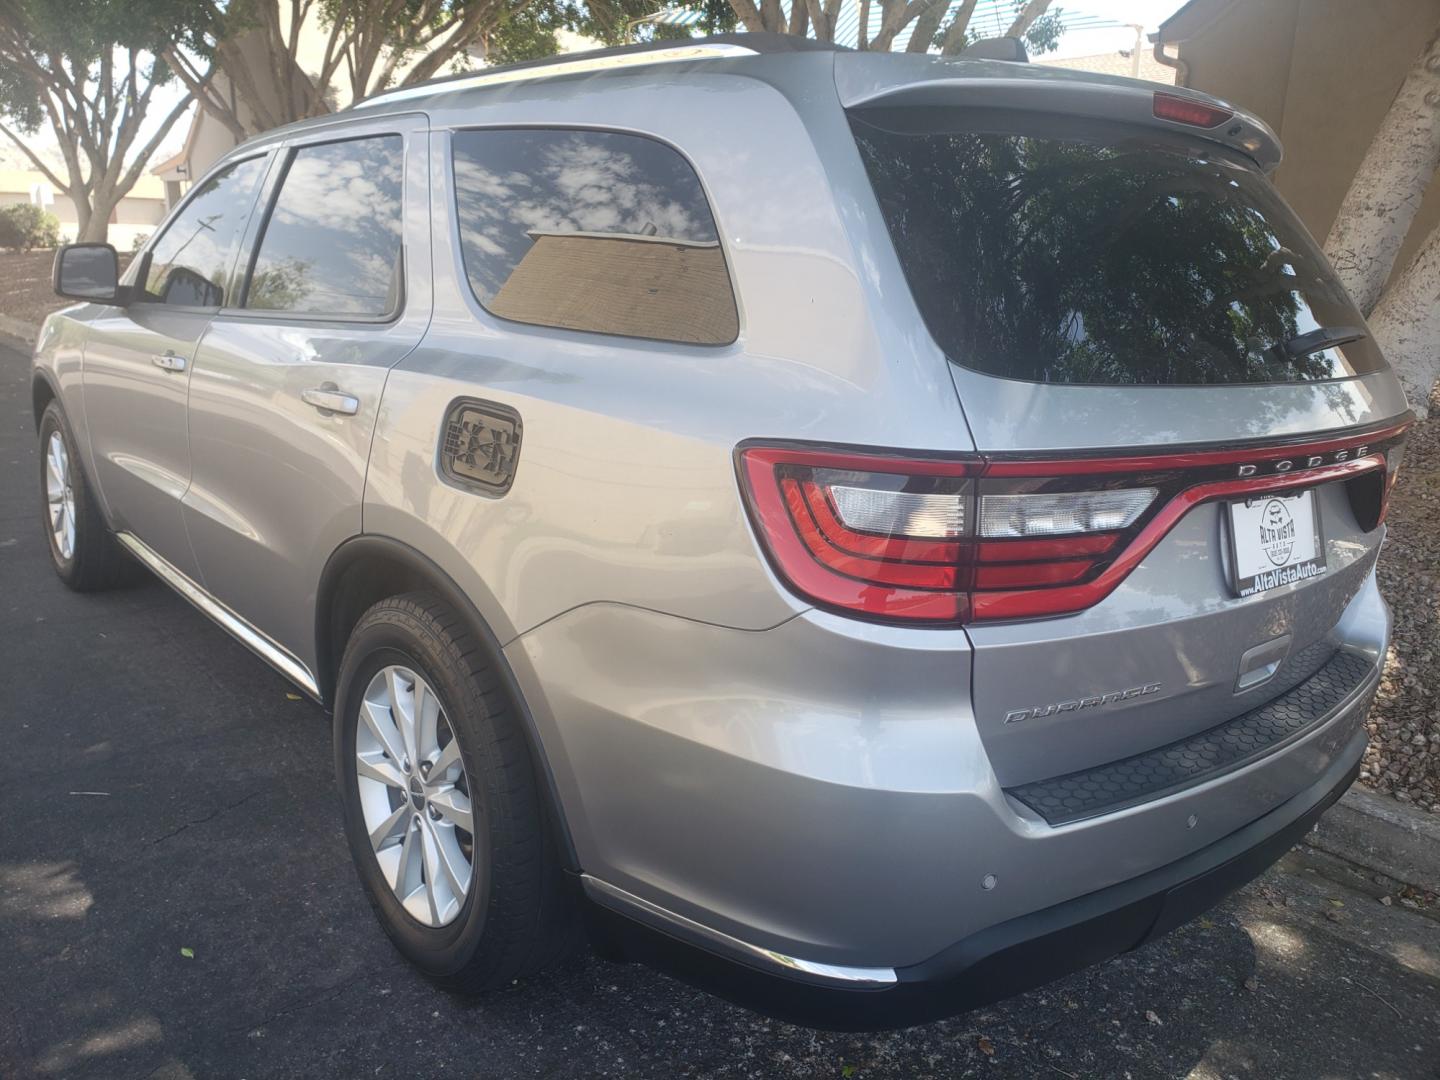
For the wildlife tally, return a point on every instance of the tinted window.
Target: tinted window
(1113, 255)
(332, 244)
(190, 261)
(591, 230)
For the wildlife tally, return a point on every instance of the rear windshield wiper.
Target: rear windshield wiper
(1324, 338)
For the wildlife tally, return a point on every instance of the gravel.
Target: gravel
(1404, 755)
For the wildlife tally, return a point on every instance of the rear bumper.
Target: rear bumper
(997, 962)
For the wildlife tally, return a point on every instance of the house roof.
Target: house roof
(1190, 19)
(1116, 63)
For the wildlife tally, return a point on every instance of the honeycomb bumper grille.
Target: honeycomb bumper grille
(1233, 744)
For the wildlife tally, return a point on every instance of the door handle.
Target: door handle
(169, 362)
(330, 400)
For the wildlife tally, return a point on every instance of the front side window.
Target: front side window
(190, 262)
(333, 241)
(1090, 252)
(591, 230)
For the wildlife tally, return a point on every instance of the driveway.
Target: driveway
(176, 900)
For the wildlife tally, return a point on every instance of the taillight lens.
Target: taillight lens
(863, 533)
(916, 540)
(1063, 512)
(959, 539)
(1183, 110)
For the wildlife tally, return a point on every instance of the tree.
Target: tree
(89, 71)
(369, 46)
(1030, 22)
(529, 33)
(1375, 218)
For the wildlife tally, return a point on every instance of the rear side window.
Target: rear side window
(190, 263)
(332, 244)
(591, 230)
(1102, 254)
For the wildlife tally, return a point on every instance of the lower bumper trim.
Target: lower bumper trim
(995, 963)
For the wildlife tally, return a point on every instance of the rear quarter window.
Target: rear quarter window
(1094, 253)
(591, 230)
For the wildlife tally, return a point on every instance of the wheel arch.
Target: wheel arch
(369, 568)
(43, 391)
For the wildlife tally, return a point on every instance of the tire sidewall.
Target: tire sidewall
(435, 950)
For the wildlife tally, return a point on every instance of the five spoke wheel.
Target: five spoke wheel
(415, 795)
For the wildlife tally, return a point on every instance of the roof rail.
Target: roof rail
(650, 52)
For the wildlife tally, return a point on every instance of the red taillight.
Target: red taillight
(911, 572)
(970, 538)
(1186, 111)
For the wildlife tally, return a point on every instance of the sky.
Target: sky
(1150, 13)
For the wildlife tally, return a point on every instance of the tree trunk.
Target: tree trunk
(954, 39)
(925, 26)
(96, 228)
(1406, 323)
(1032, 11)
(1386, 191)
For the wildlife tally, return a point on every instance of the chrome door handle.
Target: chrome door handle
(169, 362)
(329, 400)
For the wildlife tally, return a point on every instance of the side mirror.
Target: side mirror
(87, 272)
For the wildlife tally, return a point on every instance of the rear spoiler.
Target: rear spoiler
(868, 80)
(996, 48)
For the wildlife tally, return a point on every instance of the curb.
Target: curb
(1383, 836)
(21, 331)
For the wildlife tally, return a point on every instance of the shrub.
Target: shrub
(139, 242)
(24, 226)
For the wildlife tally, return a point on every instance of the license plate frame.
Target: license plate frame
(1274, 540)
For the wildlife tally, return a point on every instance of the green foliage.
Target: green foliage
(24, 226)
(83, 36)
(1044, 33)
(529, 33)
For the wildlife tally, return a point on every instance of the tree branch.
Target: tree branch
(40, 166)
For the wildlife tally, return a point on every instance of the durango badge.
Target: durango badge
(1014, 716)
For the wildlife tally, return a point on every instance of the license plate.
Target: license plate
(1275, 540)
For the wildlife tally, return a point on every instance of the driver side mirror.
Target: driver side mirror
(87, 272)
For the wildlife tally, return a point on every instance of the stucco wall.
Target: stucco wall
(1321, 73)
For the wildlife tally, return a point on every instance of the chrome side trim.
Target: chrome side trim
(257, 642)
(722, 944)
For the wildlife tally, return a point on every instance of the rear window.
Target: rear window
(591, 230)
(1086, 252)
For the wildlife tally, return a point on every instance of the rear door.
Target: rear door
(138, 360)
(287, 382)
(1186, 424)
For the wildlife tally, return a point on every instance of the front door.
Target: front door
(287, 382)
(138, 361)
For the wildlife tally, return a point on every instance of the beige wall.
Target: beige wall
(1321, 73)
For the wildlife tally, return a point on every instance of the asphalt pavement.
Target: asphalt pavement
(176, 900)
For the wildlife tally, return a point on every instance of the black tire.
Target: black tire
(520, 914)
(97, 561)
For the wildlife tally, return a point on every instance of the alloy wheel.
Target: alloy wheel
(60, 495)
(415, 795)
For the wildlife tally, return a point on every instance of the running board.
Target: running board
(257, 642)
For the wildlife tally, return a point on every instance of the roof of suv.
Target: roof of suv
(861, 78)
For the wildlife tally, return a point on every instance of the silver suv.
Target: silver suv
(866, 533)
